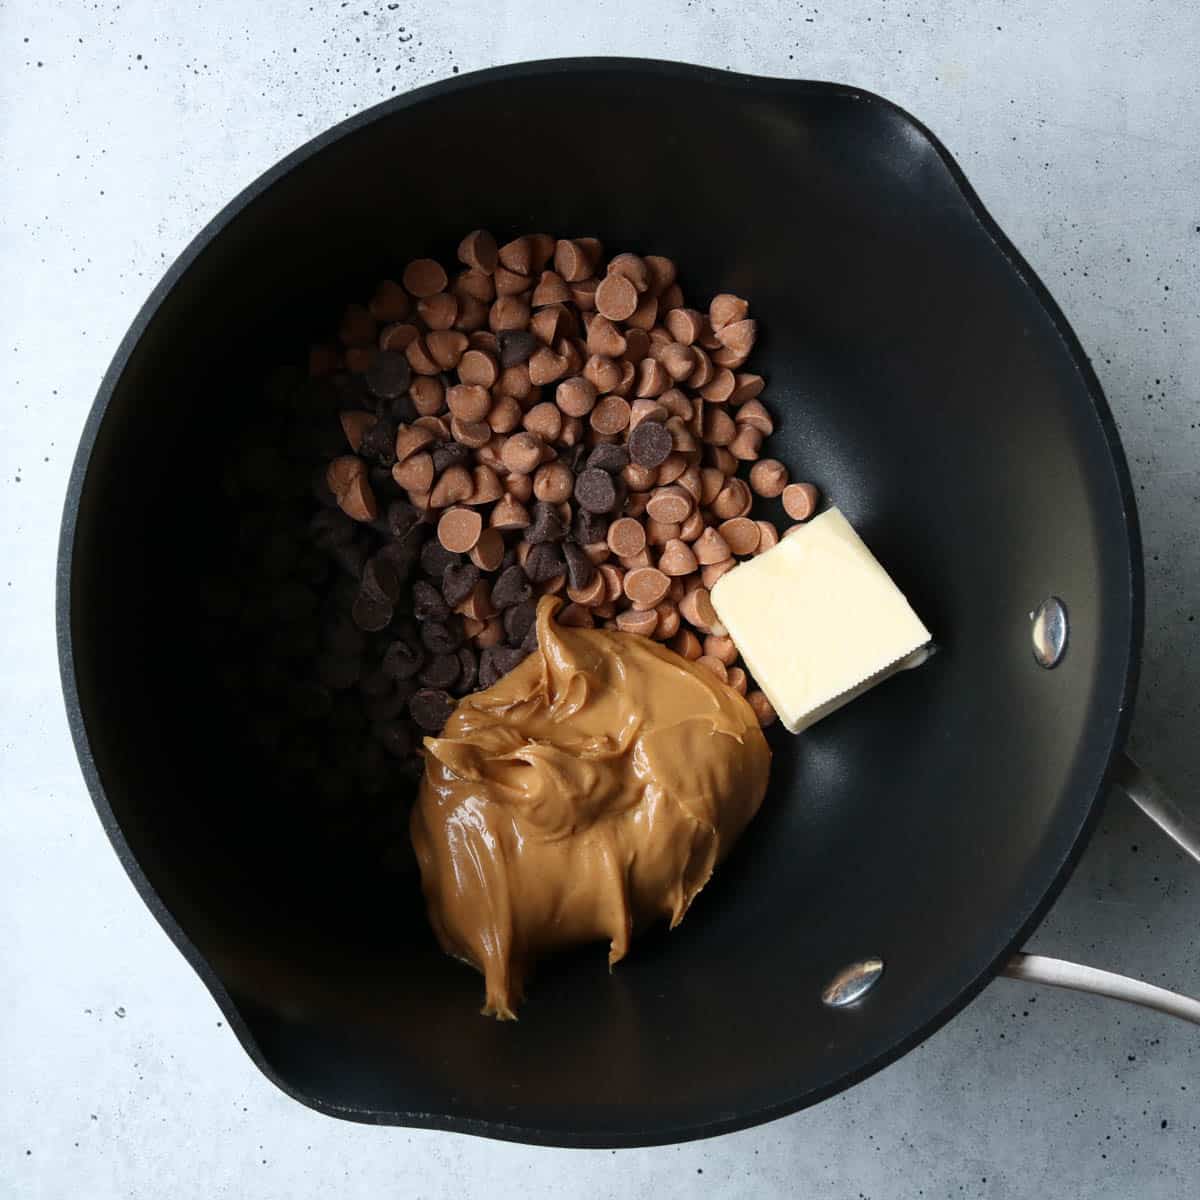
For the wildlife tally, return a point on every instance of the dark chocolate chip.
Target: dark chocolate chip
(338, 671)
(389, 375)
(544, 562)
(468, 670)
(380, 580)
(595, 491)
(371, 613)
(511, 587)
(376, 683)
(331, 527)
(577, 457)
(579, 567)
(385, 489)
(610, 457)
(343, 638)
(508, 657)
(390, 705)
(396, 737)
(351, 557)
(457, 582)
(401, 518)
(516, 346)
(402, 660)
(428, 604)
(451, 454)
(431, 709)
(441, 671)
(402, 556)
(442, 637)
(650, 443)
(529, 642)
(589, 528)
(547, 525)
(510, 557)
(402, 410)
(379, 442)
(518, 619)
(436, 559)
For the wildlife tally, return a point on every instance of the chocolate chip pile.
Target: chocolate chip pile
(541, 423)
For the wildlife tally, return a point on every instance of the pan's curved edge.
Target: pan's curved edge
(727, 1123)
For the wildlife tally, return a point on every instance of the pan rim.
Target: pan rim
(722, 1122)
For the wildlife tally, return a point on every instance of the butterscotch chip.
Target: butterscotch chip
(520, 487)
(690, 481)
(446, 347)
(478, 250)
(658, 533)
(602, 372)
(583, 294)
(488, 551)
(616, 298)
(428, 394)
(468, 401)
(553, 482)
(473, 434)
(419, 357)
(725, 309)
(633, 620)
(713, 571)
(662, 272)
(517, 255)
(800, 500)
(342, 471)
(626, 537)
(590, 594)
(576, 396)
(424, 277)
(741, 534)
(711, 547)
(687, 645)
(389, 302)
(693, 527)
(697, 610)
(738, 336)
(478, 604)
(478, 368)
(486, 485)
(671, 298)
(604, 338)
(472, 317)
(610, 416)
(436, 426)
(514, 381)
(754, 414)
(715, 665)
(613, 581)
(355, 423)
(639, 479)
(762, 707)
(722, 648)
(509, 513)
(471, 627)
(573, 351)
(633, 268)
(734, 500)
(438, 311)
(645, 315)
(505, 414)
(645, 408)
(704, 371)
(678, 361)
(508, 313)
(637, 345)
(668, 623)
(453, 485)
(574, 615)
(545, 367)
(711, 483)
(737, 680)
(492, 635)
(415, 473)
(672, 467)
(551, 289)
(720, 387)
(677, 558)
(646, 586)
(719, 457)
(768, 536)
(458, 529)
(746, 446)
(670, 505)
(723, 356)
(596, 552)
(475, 285)
(681, 436)
(652, 380)
(768, 477)
(397, 336)
(747, 386)
(684, 325)
(571, 260)
(640, 559)
(545, 420)
(522, 452)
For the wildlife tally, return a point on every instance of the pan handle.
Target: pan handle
(1148, 795)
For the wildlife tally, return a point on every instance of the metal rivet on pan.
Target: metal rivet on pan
(1049, 632)
(853, 982)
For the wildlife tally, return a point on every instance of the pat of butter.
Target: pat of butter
(818, 620)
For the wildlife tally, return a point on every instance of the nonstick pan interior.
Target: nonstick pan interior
(920, 377)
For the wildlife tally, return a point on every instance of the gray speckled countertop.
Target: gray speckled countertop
(123, 127)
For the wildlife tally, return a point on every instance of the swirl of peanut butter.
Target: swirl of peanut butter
(589, 792)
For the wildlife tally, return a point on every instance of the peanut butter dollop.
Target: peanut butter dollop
(590, 791)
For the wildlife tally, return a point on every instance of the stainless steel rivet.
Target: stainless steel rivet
(853, 982)
(1049, 632)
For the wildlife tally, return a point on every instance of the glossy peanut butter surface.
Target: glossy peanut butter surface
(589, 792)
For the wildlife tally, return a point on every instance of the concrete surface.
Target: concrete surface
(123, 127)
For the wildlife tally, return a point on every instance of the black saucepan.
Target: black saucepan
(922, 377)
